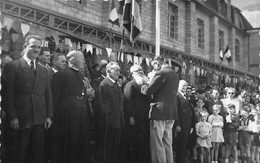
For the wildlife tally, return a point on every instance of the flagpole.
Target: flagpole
(121, 45)
(157, 28)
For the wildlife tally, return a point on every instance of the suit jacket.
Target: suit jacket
(27, 96)
(111, 103)
(185, 113)
(136, 104)
(163, 87)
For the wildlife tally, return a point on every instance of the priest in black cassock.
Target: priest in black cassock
(70, 103)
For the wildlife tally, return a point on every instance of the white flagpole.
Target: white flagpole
(157, 37)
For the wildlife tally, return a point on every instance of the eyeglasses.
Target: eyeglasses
(231, 93)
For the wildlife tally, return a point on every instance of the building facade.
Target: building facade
(193, 33)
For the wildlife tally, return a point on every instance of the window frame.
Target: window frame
(201, 33)
(172, 7)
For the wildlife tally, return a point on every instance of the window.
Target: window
(172, 21)
(200, 24)
(221, 40)
(237, 50)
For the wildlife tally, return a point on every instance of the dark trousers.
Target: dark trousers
(25, 145)
(181, 146)
(112, 143)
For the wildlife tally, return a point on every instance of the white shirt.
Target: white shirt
(28, 61)
(182, 94)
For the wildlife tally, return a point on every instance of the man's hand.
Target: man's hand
(132, 121)
(14, 124)
(144, 89)
(48, 123)
(178, 128)
(191, 130)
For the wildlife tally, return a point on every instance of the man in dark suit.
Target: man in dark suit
(28, 103)
(111, 105)
(58, 62)
(185, 124)
(136, 110)
(163, 113)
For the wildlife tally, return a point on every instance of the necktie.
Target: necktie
(32, 66)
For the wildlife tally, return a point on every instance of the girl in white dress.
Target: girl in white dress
(217, 134)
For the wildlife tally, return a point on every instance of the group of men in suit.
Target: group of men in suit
(33, 97)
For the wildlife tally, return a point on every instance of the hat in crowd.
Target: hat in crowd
(157, 58)
(103, 64)
(204, 113)
(231, 106)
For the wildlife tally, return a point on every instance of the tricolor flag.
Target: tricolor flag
(113, 18)
(227, 54)
(221, 55)
(132, 19)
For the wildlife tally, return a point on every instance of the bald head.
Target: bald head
(182, 86)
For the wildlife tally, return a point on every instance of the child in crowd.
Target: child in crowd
(230, 132)
(203, 131)
(217, 134)
(199, 108)
(244, 136)
(255, 149)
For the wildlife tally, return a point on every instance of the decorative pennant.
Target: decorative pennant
(55, 35)
(8, 22)
(68, 42)
(140, 60)
(136, 60)
(89, 47)
(46, 43)
(129, 58)
(78, 46)
(98, 51)
(15, 37)
(25, 28)
(170, 62)
(122, 57)
(109, 51)
(74, 46)
(84, 47)
(202, 72)
(176, 68)
(147, 61)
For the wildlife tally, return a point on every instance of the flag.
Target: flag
(121, 7)
(113, 18)
(127, 16)
(132, 19)
(227, 53)
(221, 55)
(136, 21)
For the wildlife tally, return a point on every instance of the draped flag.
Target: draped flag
(221, 55)
(113, 18)
(132, 19)
(227, 54)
